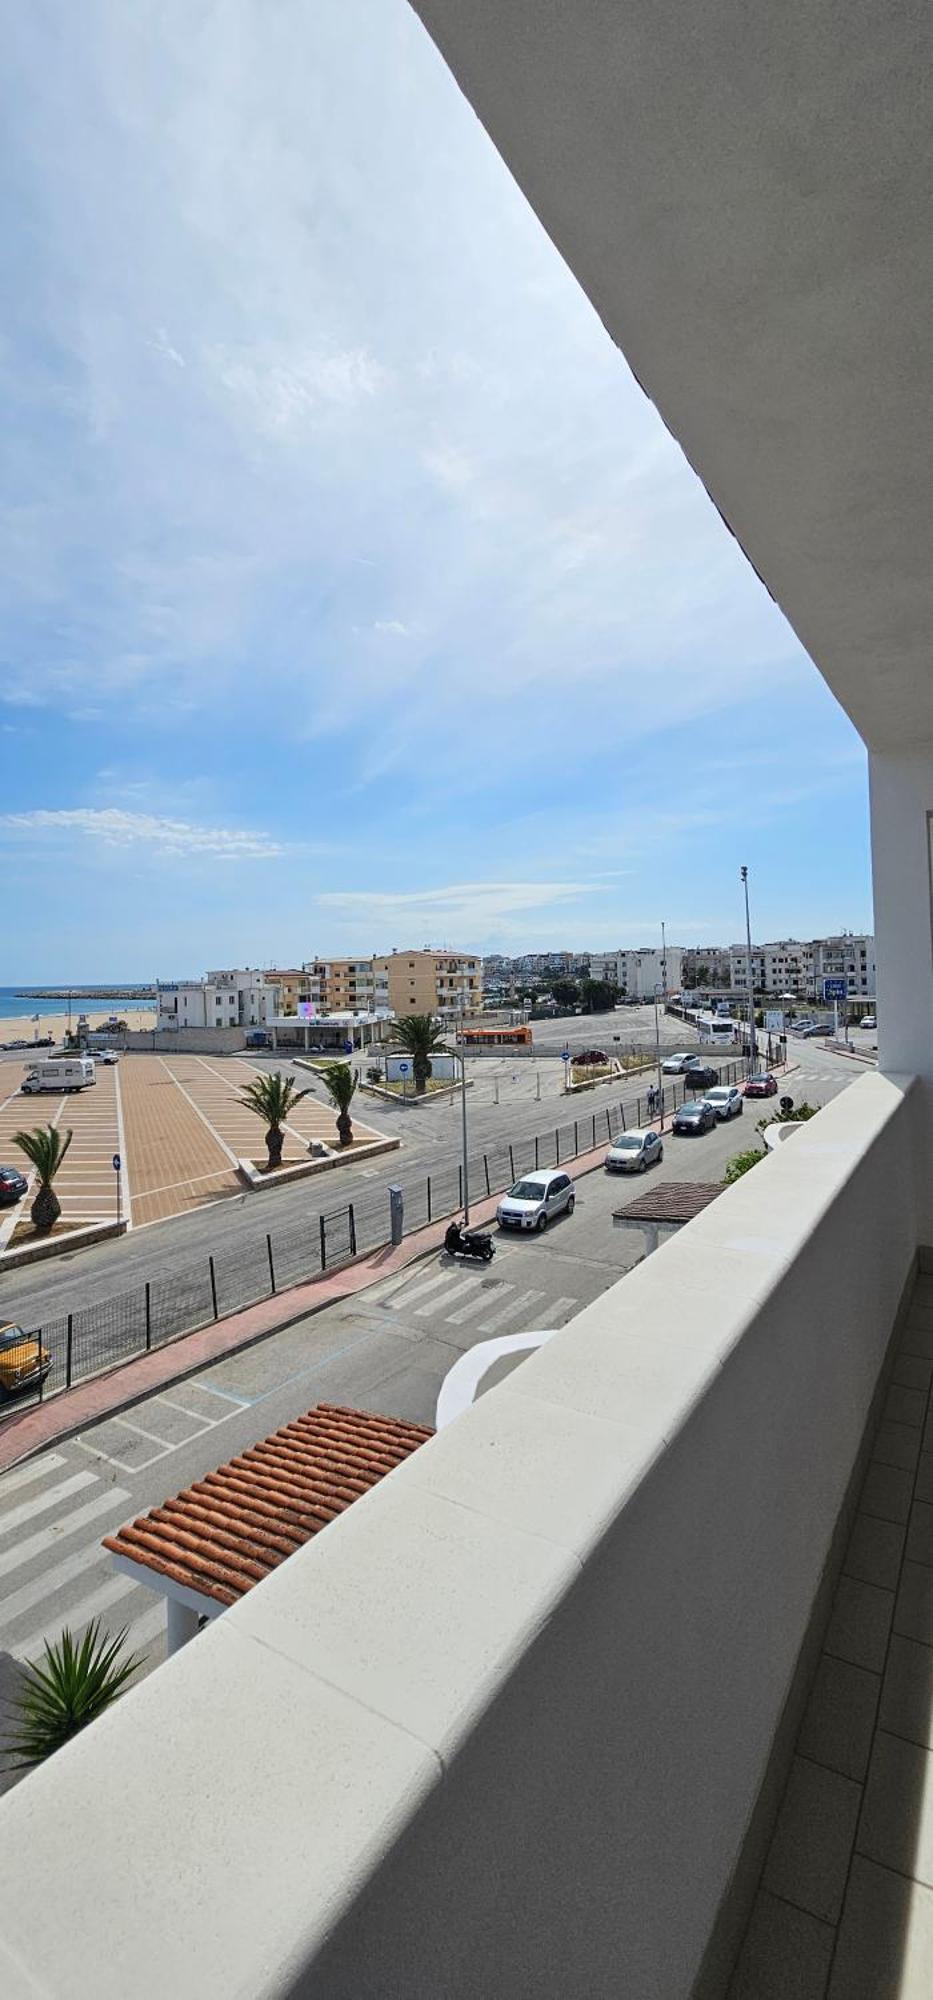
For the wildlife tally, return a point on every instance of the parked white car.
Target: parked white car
(726, 1099)
(535, 1200)
(868, 1021)
(676, 1064)
(632, 1152)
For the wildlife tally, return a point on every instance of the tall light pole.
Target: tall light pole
(463, 1106)
(752, 1044)
(657, 1057)
(664, 963)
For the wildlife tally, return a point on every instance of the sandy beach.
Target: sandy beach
(24, 1028)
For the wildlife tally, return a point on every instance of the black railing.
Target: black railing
(94, 1338)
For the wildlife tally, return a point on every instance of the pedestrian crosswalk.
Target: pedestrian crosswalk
(473, 1300)
(53, 1570)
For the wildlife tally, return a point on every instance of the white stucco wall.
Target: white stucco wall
(499, 1730)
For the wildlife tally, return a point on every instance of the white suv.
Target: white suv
(534, 1199)
(726, 1100)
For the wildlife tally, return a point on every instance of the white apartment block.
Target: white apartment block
(798, 967)
(237, 999)
(639, 974)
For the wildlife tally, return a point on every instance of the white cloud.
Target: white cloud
(460, 909)
(115, 828)
(282, 391)
(393, 625)
(162, 345)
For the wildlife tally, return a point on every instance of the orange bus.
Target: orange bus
(496, 1038)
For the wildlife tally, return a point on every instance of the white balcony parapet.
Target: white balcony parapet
(501, 1728)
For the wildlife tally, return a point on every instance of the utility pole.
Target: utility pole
(664, 964)
(463, 1108)
(752, 1045)
(657, 1057)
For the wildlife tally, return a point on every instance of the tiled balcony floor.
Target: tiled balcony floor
(845, 1904)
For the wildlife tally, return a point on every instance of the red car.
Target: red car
(761, 1086)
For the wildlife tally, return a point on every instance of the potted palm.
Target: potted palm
(340, 1084)
(67, 1689)
(45, 1148)
(272, 1097)
(420, 1036)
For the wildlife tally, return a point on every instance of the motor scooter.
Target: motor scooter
(476, 1245)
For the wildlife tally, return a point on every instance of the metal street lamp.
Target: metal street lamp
(752, 1044)
(463, 1107)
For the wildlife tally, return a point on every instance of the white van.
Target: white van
(72, 1073)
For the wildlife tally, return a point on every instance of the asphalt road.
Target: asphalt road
(530, 1100)
(386, 1350)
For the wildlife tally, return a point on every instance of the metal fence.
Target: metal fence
(102, 1336)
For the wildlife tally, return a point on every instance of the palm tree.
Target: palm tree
(69, 1688)
(420, 1035)
(46, 1149)
(340, 1084)
(272, 1096)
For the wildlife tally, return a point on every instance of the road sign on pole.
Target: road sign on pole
(117, 1163)
(836, 988)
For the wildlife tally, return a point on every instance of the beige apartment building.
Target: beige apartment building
(432, 982)
(345, 985)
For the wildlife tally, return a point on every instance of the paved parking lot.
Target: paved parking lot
(177, 1122)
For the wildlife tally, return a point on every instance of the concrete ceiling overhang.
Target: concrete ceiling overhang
(743, 191)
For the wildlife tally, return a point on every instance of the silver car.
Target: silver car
(632, 1152)
(535, 1200)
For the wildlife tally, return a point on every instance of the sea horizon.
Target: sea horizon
(13, 1007)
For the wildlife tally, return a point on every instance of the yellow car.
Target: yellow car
(24, 1362)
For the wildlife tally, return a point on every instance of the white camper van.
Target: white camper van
(71, 1073)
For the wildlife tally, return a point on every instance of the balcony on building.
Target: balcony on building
(622, 1685)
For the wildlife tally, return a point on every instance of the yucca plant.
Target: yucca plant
(45, 1148)
(421, 1036)
(272, 1096)
(340, 1084)
(70, 1687)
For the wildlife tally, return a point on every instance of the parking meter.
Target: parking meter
(396, 1212)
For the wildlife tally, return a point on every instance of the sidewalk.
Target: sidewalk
(76, 1409)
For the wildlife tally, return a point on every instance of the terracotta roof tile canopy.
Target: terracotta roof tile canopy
(670, 1201)
(224, 1534)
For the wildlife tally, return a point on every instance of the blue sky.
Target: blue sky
(354, 594)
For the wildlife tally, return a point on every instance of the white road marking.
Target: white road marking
(25, 1474)
(420, 1291)
(557, 1306)
(515, 1305)
(80, 1615)
(51, 1580)
(457, 1290)
(41, 1502)
(196, 1108)
(36, 1545)
(476, 1305)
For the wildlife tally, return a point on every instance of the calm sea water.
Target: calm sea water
(12, 1008)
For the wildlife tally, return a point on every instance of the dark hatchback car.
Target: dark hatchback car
(693, 1118)
(13, 1186)
(702, 1078)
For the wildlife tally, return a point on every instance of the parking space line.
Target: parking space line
(123, 1464)
(196, 1108)
(125, 1424)
(243, 1402)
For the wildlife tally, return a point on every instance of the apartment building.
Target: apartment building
(639, 974)
(793, 966)
(292, 985)
(432, 982)
(235, 999)
(706, 965)
(345, 986)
